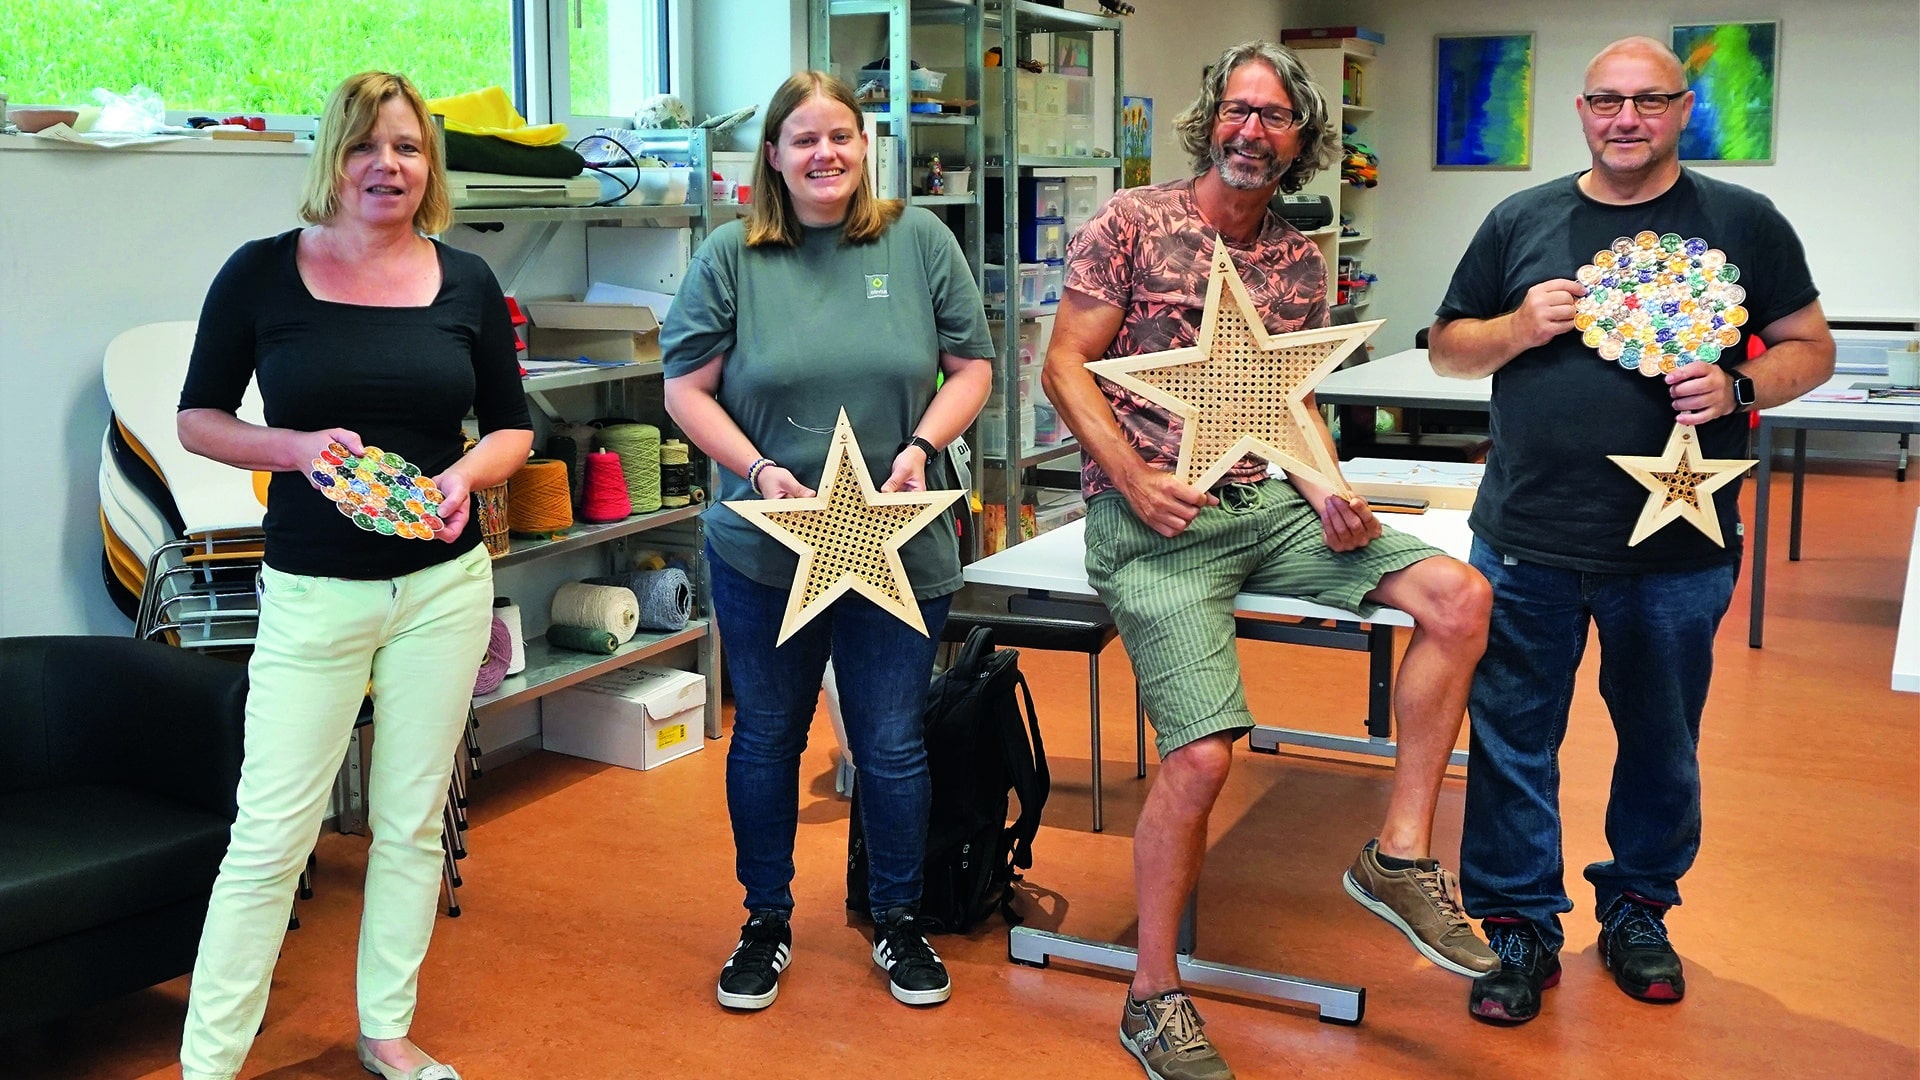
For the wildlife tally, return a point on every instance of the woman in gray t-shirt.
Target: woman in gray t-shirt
(825, 298)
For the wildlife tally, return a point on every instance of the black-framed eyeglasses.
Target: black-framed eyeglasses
(1274, 117)
(1643, 104)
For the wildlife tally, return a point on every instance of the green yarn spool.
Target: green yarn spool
(582, 639)
(676, 474)
(639, 448)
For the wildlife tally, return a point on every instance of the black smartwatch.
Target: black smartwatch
(927, 447)
(1743, 393)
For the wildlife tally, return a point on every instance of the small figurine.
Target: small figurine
(936, 177)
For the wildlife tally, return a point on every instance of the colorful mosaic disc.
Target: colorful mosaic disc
(1655, 302)
(378, 491)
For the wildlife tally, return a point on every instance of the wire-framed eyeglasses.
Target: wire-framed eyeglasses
(1643, 104)
(1274, 118)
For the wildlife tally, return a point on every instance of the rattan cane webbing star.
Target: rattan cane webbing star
(848, 536)
(1680, 484)
(1239, 390)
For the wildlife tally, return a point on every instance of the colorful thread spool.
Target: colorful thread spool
(665, 596)
(639, 448)
(537, 500)
(603, 497)
(597, 607)
(508, 612)
(676, 474)
(581, 639)
(493, 670)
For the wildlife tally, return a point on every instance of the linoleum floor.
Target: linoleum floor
(600, 903)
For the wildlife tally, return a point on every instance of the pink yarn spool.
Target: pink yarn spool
(493, 670)
(604, 495)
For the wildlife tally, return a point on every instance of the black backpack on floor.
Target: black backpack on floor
(980, 748)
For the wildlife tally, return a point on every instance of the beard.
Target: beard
(1243, 176)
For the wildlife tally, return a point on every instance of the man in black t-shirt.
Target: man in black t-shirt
(1554, 515)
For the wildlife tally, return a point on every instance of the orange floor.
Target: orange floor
(600, 902)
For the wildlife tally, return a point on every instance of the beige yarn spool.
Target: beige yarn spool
(597, 607)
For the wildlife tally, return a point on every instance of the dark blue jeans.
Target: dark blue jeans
(1656, 657)
(883, 667)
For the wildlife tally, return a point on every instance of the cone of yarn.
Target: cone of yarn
(581, 639)
(493, 670)
(508, 612)
(582, 437)
(597, 607)
(639, 448)
(603, 496)
(537, 499)
(676, 474)
(665, 596)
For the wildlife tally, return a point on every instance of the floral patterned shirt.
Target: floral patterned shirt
(1147, 252)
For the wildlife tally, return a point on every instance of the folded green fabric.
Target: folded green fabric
(484, 153)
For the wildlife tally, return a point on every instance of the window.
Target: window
(229, 56)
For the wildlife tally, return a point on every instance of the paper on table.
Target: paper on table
(1851, 394)
(601, 292)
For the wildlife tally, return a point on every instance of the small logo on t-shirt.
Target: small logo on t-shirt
(876, 286)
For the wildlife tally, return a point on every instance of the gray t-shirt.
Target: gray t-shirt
(810, 330)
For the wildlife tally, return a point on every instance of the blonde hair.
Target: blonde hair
(773, 220)
(350, 113)
(1319, 135)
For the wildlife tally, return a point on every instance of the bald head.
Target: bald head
(1646, 48)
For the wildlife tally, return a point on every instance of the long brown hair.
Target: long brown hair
(351, 111)
(773, 220)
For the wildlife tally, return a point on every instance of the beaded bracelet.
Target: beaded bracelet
(753, 473)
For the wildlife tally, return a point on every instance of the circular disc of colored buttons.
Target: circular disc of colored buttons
(1656, 302)
(379, 492)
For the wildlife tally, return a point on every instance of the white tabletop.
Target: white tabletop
(1873, 413)
(1404, 378)
(1906, 647)
(1056, 562)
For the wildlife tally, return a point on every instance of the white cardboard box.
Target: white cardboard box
(638, 717)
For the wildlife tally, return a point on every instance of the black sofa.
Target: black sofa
(119, 760)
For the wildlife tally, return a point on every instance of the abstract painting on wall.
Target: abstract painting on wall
(1136, 141)
(1731, 69)
(1483, 102)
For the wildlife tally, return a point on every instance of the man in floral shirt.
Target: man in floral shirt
(1168, 558)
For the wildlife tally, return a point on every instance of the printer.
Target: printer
(1303, 212)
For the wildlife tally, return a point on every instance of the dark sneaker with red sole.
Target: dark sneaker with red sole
(1511, 993)
(1634, 946)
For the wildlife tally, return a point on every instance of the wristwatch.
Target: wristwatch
(1743, 393)
(925, 446)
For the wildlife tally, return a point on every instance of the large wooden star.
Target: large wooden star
(848, 536)
(1239, 390)
(1680, 485)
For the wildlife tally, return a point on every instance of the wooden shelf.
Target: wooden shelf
(585, 536)
(680, 215)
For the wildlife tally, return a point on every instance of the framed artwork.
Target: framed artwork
(1732, 69)
(1073, 52)
(1136, 141)
(1483, 101)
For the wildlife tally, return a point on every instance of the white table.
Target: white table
(1906, 647)
(1052, 569)
(1403, 378)
(1801, 416)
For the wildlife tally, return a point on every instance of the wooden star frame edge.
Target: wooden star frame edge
(1223, 274)
(1655, 515)
(798, 613)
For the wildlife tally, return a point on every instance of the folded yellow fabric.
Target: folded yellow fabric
(489, 112)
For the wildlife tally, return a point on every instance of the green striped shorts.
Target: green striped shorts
(1172, 599)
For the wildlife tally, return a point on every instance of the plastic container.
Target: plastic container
(1030, 284)
(1079, 91)
(1043, 239)
(959, 181)
(921, 80)
(1026, 90)
(1079, 136)
(996, 283)
(1048, 135)
(651, 187)
(1050, 95)
(1083, 197)
(1043, 197)
(1053, 282)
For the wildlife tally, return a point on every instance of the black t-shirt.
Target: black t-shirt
(1550, 495)
(401, 377)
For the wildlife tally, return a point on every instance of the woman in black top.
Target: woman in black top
(361, 331)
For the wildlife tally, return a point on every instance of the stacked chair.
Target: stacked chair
(182, 545)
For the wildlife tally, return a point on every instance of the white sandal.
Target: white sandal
(432, 1070)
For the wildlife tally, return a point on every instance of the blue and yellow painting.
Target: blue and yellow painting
(1483, 102)
(1731, 69)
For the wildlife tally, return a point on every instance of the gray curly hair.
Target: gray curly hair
(1319, 139)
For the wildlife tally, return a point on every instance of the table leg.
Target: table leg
(1799, 492)
(1762, 499)
(1380, 681)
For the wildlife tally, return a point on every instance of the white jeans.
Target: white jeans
(420, 639)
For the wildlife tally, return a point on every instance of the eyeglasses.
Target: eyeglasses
(1274, 117)
(1643, 104)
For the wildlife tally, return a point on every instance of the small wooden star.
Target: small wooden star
(1680, 484)
(848, 536)
(1239, 390)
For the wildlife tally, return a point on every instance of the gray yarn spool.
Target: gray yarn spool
(665, 596)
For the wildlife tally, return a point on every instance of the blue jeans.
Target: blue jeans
(883, 667)
(1656, 641)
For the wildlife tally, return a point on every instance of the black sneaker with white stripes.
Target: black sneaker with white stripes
(751, 979)
(914, 971)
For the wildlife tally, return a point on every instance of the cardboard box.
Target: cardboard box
(565, 328)
(638, 717)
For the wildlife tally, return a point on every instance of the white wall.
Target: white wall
(1847, 171)
(1167, 44)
